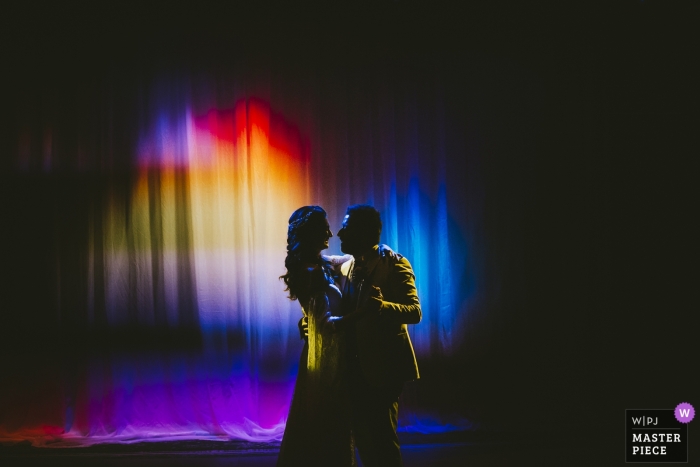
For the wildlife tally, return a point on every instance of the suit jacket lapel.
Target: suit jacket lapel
(371, 266)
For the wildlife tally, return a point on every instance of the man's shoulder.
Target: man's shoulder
(402, 265)
(396, 263)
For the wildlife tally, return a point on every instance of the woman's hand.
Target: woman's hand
(304, 328)
(386, 252)
(328, 321)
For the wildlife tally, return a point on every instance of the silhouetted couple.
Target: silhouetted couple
(357, 353)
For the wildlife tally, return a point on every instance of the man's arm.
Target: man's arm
(406, 309)
(336, 261)
(402, 288)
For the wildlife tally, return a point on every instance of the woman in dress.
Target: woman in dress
(318, 425)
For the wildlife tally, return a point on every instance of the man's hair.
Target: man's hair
(367, 220)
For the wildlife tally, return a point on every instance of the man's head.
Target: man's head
(361, 229)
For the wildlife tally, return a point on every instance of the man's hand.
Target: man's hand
(331, 322)
(374, 301)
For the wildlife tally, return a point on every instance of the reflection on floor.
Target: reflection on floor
(458, 449)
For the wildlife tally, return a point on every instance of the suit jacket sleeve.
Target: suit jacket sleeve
(401, 303)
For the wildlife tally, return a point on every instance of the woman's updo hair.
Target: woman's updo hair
(307, 272)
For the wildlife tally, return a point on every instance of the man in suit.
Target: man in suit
(379, 300)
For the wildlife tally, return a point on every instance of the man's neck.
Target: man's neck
(366, 254)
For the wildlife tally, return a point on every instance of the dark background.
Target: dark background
(590, 234)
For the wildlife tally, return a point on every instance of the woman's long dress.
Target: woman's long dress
(318, 427)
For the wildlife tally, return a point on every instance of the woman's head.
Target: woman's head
(308, 231)
(307, 235)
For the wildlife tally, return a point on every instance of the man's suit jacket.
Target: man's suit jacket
(384, 350)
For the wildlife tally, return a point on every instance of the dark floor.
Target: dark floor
(418, 450)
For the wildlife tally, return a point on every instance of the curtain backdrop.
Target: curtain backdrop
(159, 209)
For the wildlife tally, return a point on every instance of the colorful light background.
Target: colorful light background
(193, 244)
(203, 248)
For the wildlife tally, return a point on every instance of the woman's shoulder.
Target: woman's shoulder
(318, 279)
